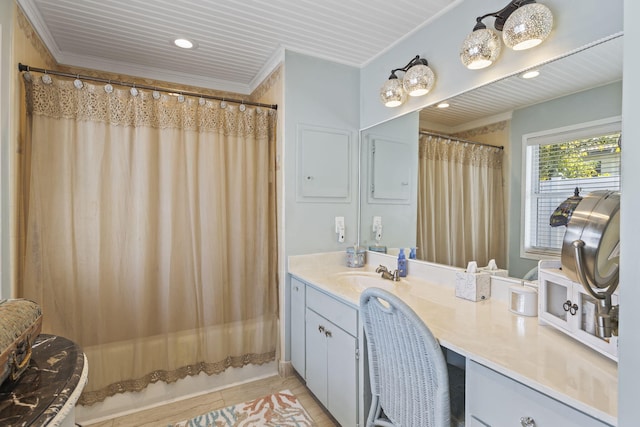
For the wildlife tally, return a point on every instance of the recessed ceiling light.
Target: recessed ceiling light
(184, 43)
(443, 105)
(530, 74)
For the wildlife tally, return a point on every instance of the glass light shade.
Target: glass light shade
(418, 80)
(527, 27)
(480, 49)
(392, 93)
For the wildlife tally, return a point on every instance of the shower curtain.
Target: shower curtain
(460, 202)
(148, 231)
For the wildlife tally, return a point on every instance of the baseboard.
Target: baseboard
(162, 393)
(285, 368)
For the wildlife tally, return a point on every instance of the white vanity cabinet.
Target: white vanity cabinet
(298, 309)
(495, 400)
(518, 372)
(330, 349)
(566, 306)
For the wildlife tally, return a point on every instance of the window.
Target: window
(586, 157)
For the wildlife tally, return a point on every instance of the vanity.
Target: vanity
(518, 372)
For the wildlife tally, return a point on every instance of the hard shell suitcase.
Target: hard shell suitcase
(20, 324)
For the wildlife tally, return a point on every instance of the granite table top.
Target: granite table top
(48, 390)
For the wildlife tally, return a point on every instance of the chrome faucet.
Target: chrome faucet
(386, 274)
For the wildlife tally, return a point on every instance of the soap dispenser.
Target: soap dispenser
(402, 264)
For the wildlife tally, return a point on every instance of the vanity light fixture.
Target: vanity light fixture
(524, 24)
(418, 80)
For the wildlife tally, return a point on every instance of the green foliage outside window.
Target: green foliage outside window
(576, 159)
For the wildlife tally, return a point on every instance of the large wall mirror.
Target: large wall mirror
(581, 87)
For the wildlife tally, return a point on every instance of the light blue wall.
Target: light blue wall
(576, 23)
(599, 103)
(322, 94)
(399, 221)
(629, 344)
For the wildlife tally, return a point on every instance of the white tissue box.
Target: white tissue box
(473, 286)
(498, 272)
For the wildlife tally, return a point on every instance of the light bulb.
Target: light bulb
(184, 43)
(392, 93)
(418, 80)
(527, 27)
(480, 49)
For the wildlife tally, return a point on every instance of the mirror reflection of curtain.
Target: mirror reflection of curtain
(149, 234)
(460, 203)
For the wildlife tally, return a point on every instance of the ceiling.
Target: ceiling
(238, 42)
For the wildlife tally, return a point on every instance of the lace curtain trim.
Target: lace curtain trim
(139, 384)
(61, 99)
(450, 150)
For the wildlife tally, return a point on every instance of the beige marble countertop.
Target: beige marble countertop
(486, 331)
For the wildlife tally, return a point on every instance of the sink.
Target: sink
(361, 280)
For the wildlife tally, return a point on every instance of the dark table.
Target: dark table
(46, 393)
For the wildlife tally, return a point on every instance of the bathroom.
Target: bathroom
(308, 227)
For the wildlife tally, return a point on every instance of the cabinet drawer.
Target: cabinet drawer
(340, 314)
(488, 393)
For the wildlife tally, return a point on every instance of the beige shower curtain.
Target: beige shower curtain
(460, 203)
(149, 232)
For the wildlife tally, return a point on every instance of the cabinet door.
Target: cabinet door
(297, 326)
(332, 368)
(342, 376)
(316, 360)
(556, 305)
(587, 321)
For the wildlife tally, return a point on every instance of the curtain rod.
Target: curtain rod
(438, 135)
(22, 67)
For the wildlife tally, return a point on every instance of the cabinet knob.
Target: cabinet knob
(321, 329)
(570, 307)
(527, 422)
(327, 334)
(574, 309)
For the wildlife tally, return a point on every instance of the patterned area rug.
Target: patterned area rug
(280, 409)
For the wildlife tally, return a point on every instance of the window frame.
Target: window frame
(553, 136)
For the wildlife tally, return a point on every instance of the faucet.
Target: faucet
(386, 274)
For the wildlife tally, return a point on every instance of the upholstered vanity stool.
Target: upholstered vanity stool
(47, 392)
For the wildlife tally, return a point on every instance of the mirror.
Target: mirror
(389, 151)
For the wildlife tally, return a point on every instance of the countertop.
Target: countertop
(485, 331)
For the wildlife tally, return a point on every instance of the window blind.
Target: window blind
(556, 169)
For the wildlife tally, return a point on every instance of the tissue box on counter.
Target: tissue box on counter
(492, 268)
(497, 272)
(473, 286)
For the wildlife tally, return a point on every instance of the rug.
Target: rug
(280, 409)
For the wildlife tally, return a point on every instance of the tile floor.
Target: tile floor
(188, 408)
